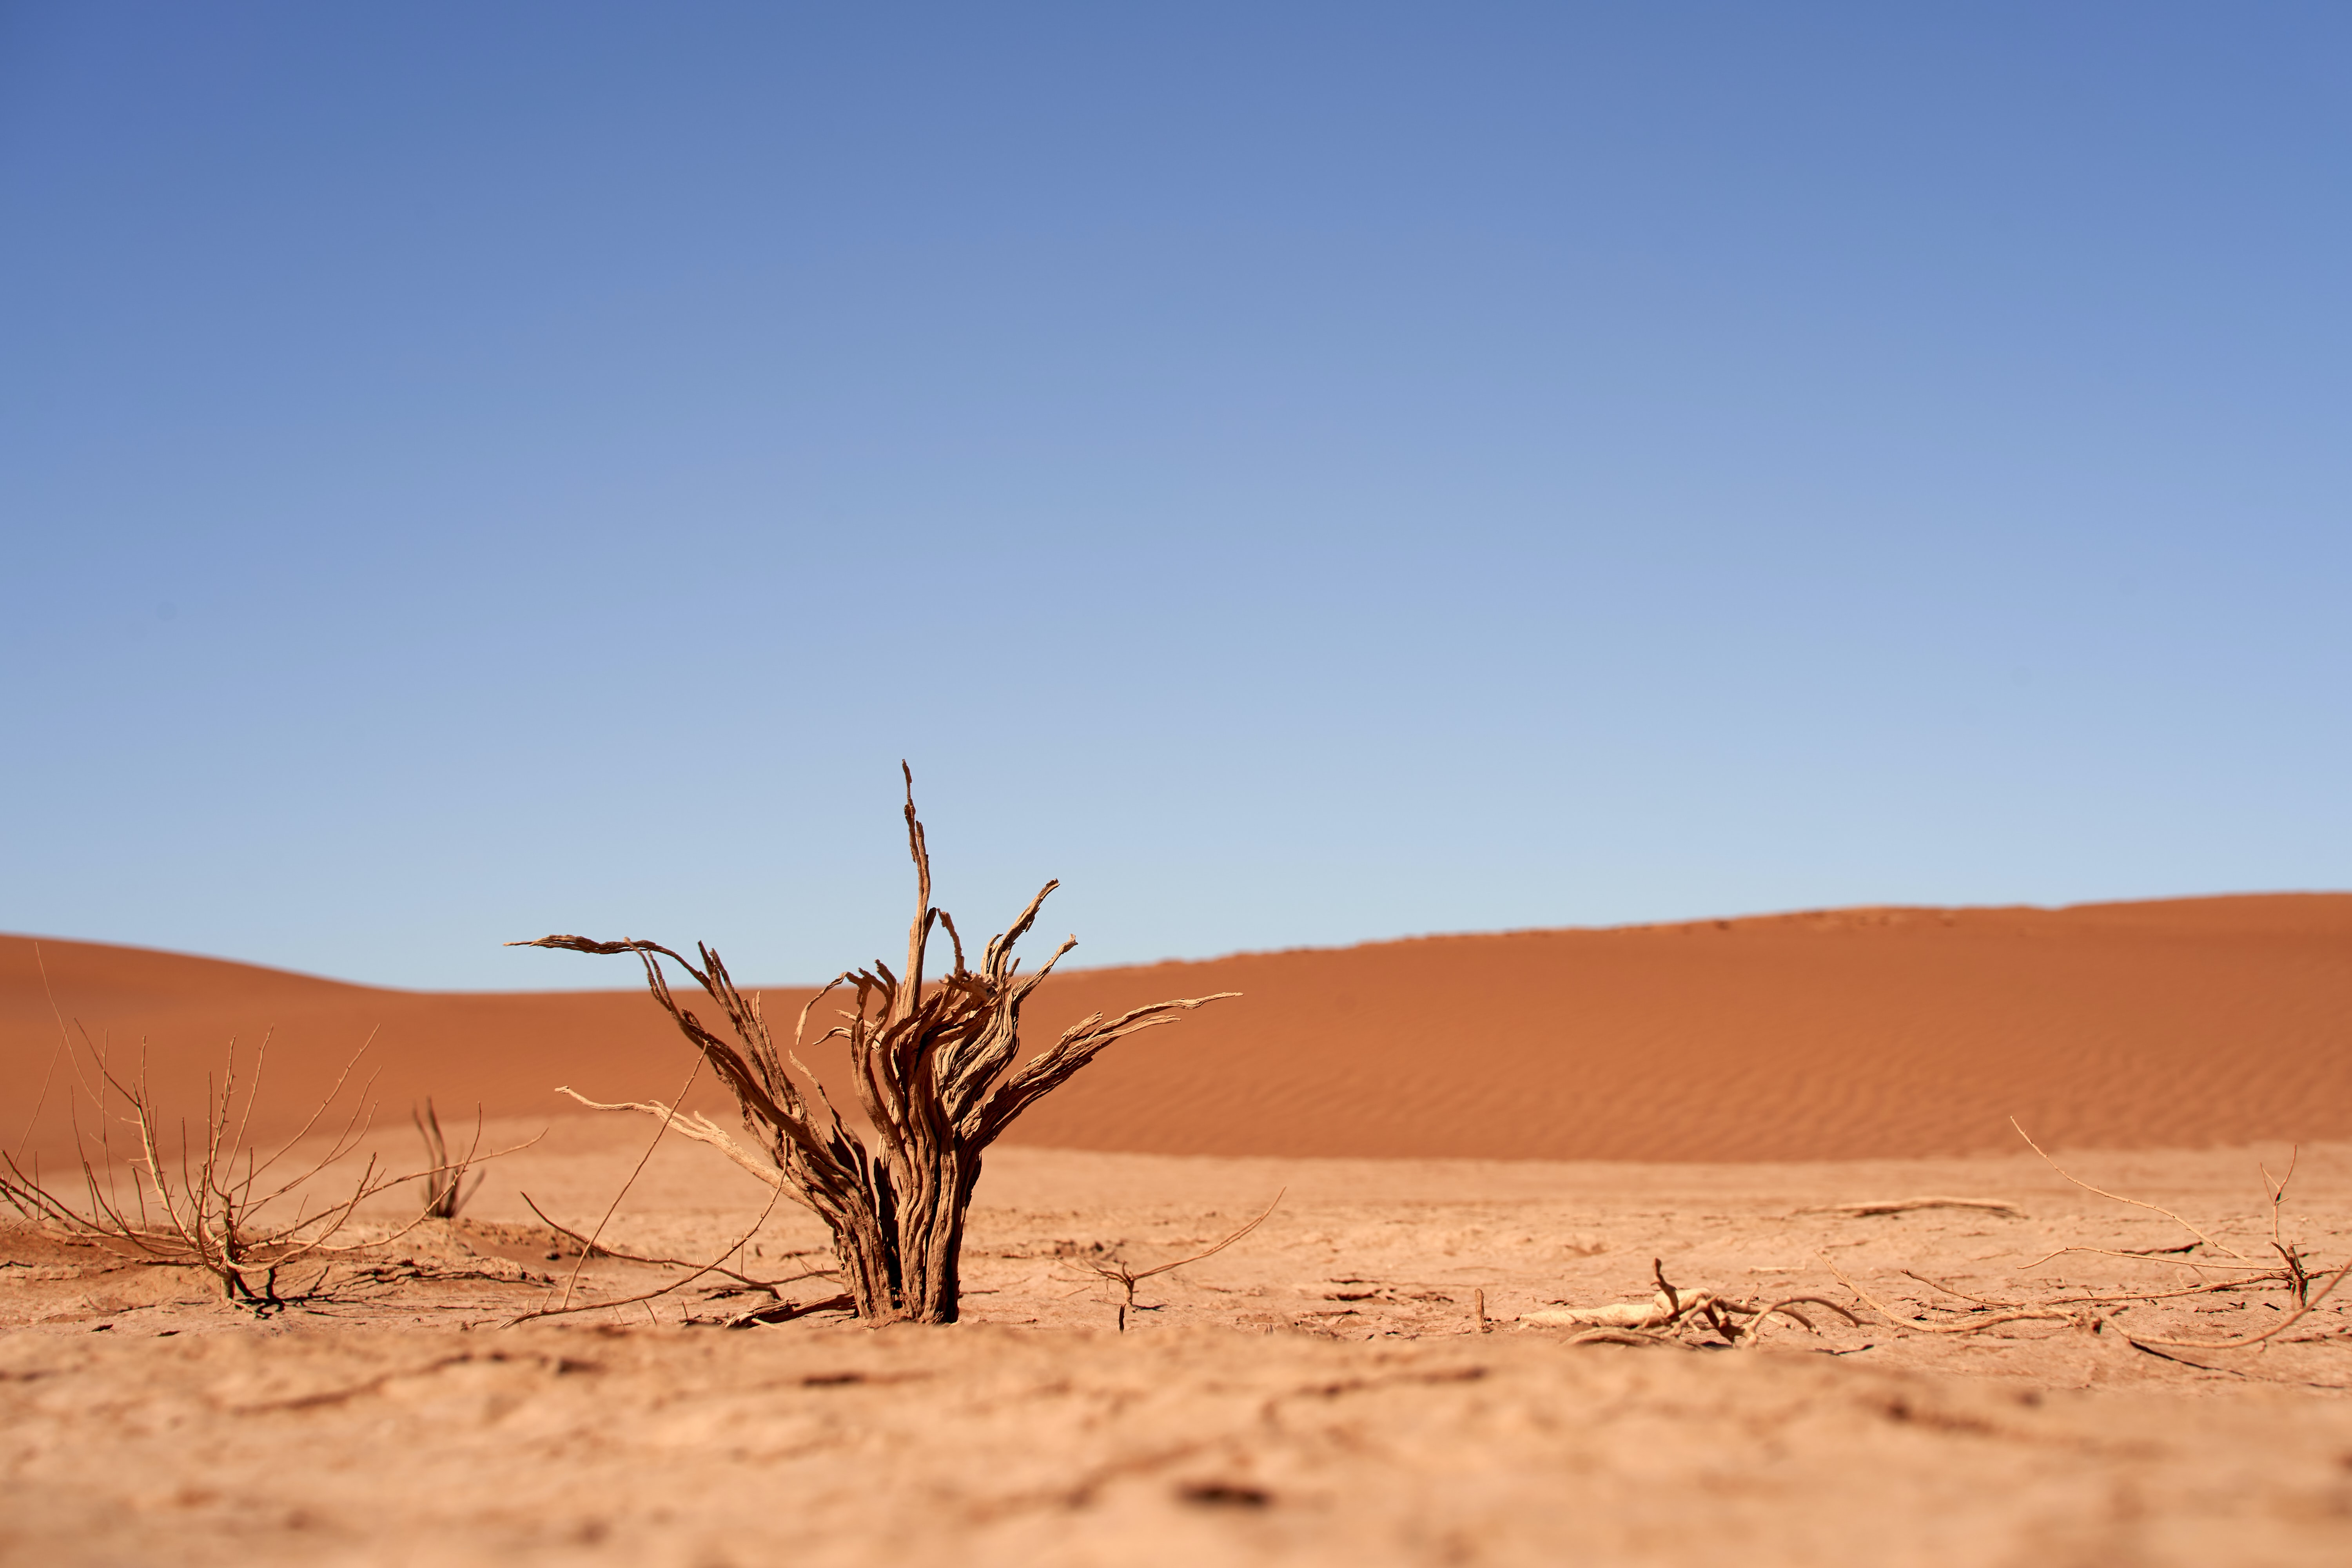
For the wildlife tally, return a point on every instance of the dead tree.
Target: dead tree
(928, 1061)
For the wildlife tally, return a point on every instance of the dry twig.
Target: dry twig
(2118, 1198)
(1905, 1205)
(1117, 1271)
(565, 1306)
(2305, 1288)
(2029, 1314)
(590, 1249)
(445, 1192)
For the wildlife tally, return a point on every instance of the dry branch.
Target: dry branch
(565, 1306)
(2118, 1198)
(1679, 1316)
(1117, 1271)
(445, 1192)
(1905, 1205)
(697, 1126)
(2031, 1314)
(932, 1065)
(2302, 1311)
(592, 1248)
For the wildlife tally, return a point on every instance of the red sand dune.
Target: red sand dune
(1849, 1034)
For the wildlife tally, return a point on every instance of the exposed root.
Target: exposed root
(1677, 1317)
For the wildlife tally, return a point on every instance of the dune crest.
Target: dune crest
(1832, 1034)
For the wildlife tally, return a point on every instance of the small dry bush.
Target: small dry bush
(932, 1064)
(446, 1190)
(216, 1203)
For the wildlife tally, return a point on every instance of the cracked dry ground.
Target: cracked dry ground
(1318, 1393)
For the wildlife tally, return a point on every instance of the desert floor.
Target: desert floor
(1319, 1392)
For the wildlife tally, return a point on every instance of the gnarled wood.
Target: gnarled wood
(932, 1063)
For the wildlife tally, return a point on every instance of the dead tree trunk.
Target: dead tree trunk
(930, 1063)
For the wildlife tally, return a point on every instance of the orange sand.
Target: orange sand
(1316, 1396)
(1850, 1034)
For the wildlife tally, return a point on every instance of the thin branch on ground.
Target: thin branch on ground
(710, 1268)
(610, 1210)
(2302, 1312)
(1950, 1290)
(2178, 1257)
(591, 1249)
(1906, 1205)
(2027, 1315)
(1685, 1318)
(2118, 1198)
(2305, 1288)
(1117, 1272)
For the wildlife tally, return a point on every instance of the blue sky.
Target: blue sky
(1298, 474)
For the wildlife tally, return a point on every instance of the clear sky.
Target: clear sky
(1300, 474)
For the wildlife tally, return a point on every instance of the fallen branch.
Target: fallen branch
(1905, 1205)
(594, 1250)
(2030, 1315)
(785, 1311)
(1673, 1315)
(710, 1268)
(2133, 1296)
(2118, 1198)
(2283, 1325)
(2169, 1255)
(1118, 1273)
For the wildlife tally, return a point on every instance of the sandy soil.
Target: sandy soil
(1317, 1393)
(1839, 1035)
(1326, 1389)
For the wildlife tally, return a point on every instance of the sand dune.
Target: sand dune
(1840, 1034)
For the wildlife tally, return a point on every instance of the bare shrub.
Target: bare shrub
(219, 1206)
(445, 1190)
(932, 1066)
